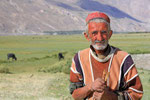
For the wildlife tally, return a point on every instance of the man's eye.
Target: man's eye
(104, 32)
(95, 32)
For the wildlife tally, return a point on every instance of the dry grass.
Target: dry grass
(26, 86)
(47, 86)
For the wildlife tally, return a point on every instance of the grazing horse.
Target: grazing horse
(60, 56)
(11, 55)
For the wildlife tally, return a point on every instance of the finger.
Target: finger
(95, 96)
(99, 90)
(101, 80)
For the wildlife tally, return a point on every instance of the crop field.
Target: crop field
(39, 75)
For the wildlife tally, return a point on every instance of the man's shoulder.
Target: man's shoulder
(84, 51)
(119, 52)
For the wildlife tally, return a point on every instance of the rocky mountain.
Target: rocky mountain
(25, 17)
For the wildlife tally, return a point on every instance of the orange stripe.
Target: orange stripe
(115, 69)
(85, 64)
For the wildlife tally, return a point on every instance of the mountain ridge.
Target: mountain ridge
(22, 17)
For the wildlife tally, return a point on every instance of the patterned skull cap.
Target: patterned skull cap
(97, 14)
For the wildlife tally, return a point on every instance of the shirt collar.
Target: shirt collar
(92, 51)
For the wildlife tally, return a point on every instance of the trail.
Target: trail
(142, 61)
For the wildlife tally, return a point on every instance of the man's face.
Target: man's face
(98, 35)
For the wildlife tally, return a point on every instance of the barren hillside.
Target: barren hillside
(23, 17)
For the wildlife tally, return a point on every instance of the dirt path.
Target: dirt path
(142, 61)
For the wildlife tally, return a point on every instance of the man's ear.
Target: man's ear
(86, 36)
(110, 33)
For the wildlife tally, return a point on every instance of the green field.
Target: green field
(38, 74)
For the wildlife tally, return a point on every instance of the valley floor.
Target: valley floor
(47, 86)
(34, 86)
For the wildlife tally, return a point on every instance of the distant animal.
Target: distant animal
(11, 55)
(60, 56)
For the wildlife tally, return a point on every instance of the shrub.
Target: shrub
(61, 66)
(149, 80)
(4, 69)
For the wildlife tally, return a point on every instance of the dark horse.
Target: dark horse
(11, 55)
(60, 56)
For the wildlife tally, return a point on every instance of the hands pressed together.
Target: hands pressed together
(99, 89)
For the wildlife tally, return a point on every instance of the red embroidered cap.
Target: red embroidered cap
(97, 14)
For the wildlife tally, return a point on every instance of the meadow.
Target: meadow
(39, 75)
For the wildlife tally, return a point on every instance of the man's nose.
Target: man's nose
(99, 37)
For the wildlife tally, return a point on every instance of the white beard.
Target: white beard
(99, 47)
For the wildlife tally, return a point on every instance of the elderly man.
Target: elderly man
(103, 72)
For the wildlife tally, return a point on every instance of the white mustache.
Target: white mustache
(96, 41)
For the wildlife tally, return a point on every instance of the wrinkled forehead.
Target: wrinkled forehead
(98, 25)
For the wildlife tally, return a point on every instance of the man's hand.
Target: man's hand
(105, 95)
(98, 85)
(101, 95)
(97, 95)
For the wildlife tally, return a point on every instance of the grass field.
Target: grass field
(39, 75)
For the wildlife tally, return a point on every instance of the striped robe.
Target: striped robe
(123, 78)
